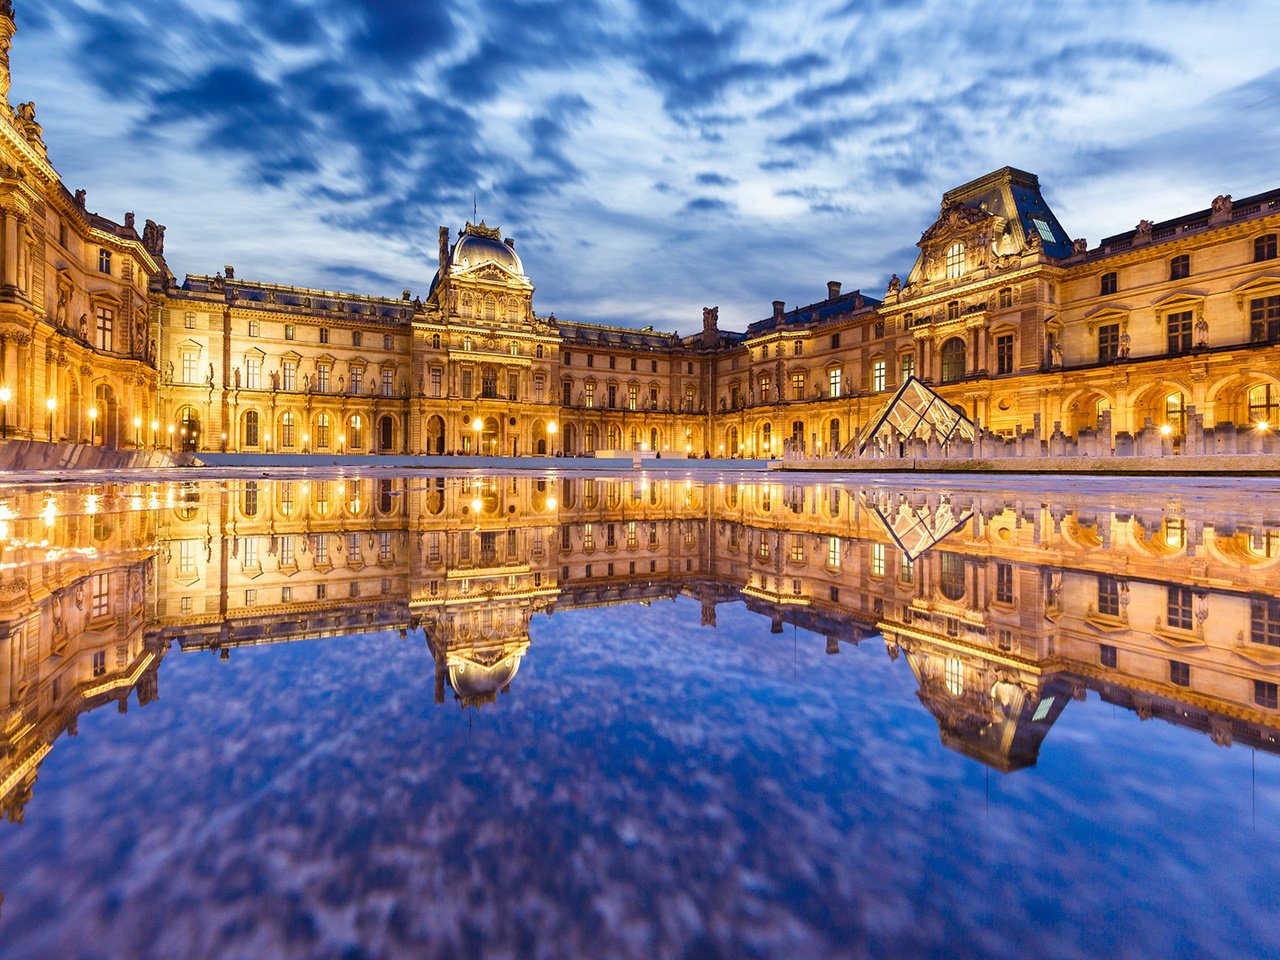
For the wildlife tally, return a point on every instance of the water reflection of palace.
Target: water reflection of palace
(1005, 608)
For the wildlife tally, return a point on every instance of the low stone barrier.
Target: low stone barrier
(26, 455)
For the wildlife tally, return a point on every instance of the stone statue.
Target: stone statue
(1143, 229)
(306, 383)
(26, 118)
(236, 377)
(60, 312)
(129, 220)
(1055, 353)
(1202, 331)
(1080, 247)
(84, 327)
(1221, 203)
(895, 284)
(1124, 343)
(81, 198)
(1034, 241)
(168, 371)
(210, 375)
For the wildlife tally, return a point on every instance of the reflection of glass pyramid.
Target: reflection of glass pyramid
(915, 529)
(914, 411)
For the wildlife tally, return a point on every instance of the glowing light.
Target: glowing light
(476, 504)
(51, 404)
(477, 425)
(1165, 430)
(1263, 425)
(552, 427)
(93, 413)
(137, 423)
(5, 395)
(552, 503)
(155, 425)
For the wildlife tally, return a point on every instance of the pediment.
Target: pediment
(956, 221)
(1180, 296)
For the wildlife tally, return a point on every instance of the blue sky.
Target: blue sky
(650, 157)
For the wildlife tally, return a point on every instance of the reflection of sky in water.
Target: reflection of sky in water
(648, 788)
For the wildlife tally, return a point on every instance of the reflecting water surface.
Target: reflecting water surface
(418, 716)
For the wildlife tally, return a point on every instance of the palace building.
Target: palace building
(1007, 316)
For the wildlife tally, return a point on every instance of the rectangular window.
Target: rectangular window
(189, 321)
(106, 328)
(286, 594)
(251, 598)
(104, 262)
(289, 375)
(357, 338)
(1180, 327)
(254, 328)
(1264, 247)
(253, 373)
(321, 550)
(387, 375)
(357, 379)
(322, 379)
(1004, 353)
(797, 385)
(289, 331)
(566, 391)
(877, 559)
(513, 386)
(1180, 267)
(436, 375)
(1006, 298)
(879, 378)
(1179, 673)
(189, 366)
(384, 546)
(1264, 319)
(633, 397)
(1266, 694)
(186, 558)
(1108, 285)
(1004, 583)
(835, 341)
(590, 393)
(591, 360)
(288, 558)
(1109, 596)
(466, 381)
(1107, 655)
(833, 380)
(1264, 621)
(99, 663)
(908, 366)
(388, 342)
(1178, 607)
(101, 605)
(1108, 342)
(324, 334)
(766, 384)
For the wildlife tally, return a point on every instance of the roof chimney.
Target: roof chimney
(779, 308)
(833, 289)
(231, 272)
(444, 250)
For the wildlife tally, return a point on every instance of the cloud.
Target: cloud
(592, 123)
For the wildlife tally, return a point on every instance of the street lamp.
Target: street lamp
(306, 439)
(342, 443)
(155, 427)
(51, 405)
(552, 427)
(4, 412)
(477, 425)
(93, 426)
(171, 438)
(137, 433)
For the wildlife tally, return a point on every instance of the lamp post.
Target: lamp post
(51, 405)
(306, 441)
(137, 433)
(4, 412)
(155, 428)
(552, 428)
(171, 438)
(342, 443)
(93, 426)
(477, 425)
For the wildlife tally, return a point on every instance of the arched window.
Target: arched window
(386, 433)
(249, 433)
(655, 439)
(614, 438)
(1264, 405)
(435, 341)
(635, 438)
(953, 359)
(324, 430)
(466, 343)
(955, 261)
(355, 432)
(288, 427)
(249, 499)
(797, 431)
(1175, 413)
(464, 305)
(835, 437)
(954, 676)
(490, 308)
(589, 438)
(766, 439)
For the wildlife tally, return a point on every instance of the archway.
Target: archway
(106, 429)
(732, 445)
(250, 429)
(188, 429)
(570, 438)
(489, 437)
(435, 435)
(953, 360)
(386, 433)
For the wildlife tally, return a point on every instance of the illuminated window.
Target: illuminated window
(955, 261)
(834, 433)
(322, 378)
(190, 361)
(797, 548)
(1264, 319)
(251, 427)
(955, 677)
(797, 386)
(951, 570)
(953, 360)
(101, 603)
(186, 558)
(287, 555)
(766, 384)
(289, 375)
(387, 381)
(288, 428)
(878, 376)
(253, 373)
(590, 393)
(833, 381)
(1006, 297)
(355, 435)
(1264, 405)
(106, 328)
(189, 321)
(877, 559)
(1175, 413)
(388, 342)
(633, 397)
(908, 366)
(254, 328)
(323, 431)
(289, 331)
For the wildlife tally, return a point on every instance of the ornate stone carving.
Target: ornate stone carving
(1143, 229)
(1221, 203)
(1079, 247)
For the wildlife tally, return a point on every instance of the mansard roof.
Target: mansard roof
(599, 335)
(824, 310)
(1015, 196)
(270, 296)
(1169, 229)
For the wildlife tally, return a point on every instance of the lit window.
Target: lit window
(289, 374)
(99, 663)
(101, 605)
(878, 376)
(189, 361)
(955, 677)
(834, 377)
(955, 261)
(106, 328)
(289, 331)
(253, 373)
(877, 559)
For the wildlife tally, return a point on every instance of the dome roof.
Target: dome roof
(479, 245)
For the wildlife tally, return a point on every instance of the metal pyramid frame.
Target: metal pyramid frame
(913, 411)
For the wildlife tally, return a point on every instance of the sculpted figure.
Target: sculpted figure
(1055, 354)
(1221, 203)
(895, 284)
(1124, 343)
(1202, 332)
(236, 377)
(1080, 246)
(60, 312)
(1143, 229)
(84, 327)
